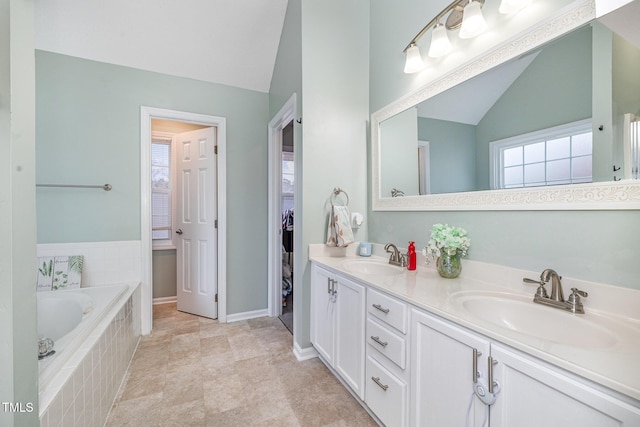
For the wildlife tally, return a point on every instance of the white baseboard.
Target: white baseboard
(304, 353)
(236, 317)
(164, 300)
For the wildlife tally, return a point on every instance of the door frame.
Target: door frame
(146, 115)
(274, 273)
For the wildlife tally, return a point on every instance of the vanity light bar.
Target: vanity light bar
(463, 14)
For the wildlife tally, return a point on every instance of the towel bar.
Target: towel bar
(106, 187)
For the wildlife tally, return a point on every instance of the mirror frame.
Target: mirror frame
(613, 195)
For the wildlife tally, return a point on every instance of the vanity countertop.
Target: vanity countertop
(616, 310)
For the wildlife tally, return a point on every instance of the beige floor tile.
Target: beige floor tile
(182, 387)
(238, 417)
(214, 345)
(130, 412)
(217, 365)
(183, 415)
(223, 394)
(255, 370)
(193, 371)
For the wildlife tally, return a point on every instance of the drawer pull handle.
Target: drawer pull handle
(379, 307)
(379, 341)
(377, 381)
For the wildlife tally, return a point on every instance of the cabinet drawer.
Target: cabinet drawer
(387, 309)
(386, 395)
(393, 346)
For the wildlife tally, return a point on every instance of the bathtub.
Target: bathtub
(95, 331)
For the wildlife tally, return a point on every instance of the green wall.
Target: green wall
(164, 273)
(590, 245)
(398, 154)
(88, 132)
(18, 352)
(335, 84)
(452, 149)
(555, 89)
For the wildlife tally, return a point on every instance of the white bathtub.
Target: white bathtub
(68, 317)
(95, 331)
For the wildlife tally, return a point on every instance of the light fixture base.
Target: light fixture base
(454, 20)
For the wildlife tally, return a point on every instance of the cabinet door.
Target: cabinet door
(350, 327)
(322, 313)
(534, 393)
(442, 373)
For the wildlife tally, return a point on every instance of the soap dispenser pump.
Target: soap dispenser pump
(411, 255)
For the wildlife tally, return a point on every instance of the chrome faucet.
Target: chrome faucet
(556, 285)
(572, 304)
(396, 258)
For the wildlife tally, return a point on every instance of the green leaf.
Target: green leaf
(75, 263)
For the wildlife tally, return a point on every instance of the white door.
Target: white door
(442, 362)
(196, 252)
(350, 316)
(322, 313)
(537, 394)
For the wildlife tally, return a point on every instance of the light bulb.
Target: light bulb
(512, 6)
(473, 22)
(440, 43)
(414, 61)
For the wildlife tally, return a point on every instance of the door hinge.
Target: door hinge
(215, 223)
(216, 297)
(215, 149)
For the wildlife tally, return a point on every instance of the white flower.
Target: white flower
(446, 238)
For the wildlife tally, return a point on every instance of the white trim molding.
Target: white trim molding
(621, 195)
(274, 274)
(304, 353)
(146, 115)
(164, 300)
(237, 317)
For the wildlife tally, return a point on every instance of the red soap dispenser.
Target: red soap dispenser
(411, 255)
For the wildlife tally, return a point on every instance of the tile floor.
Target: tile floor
(193, 371)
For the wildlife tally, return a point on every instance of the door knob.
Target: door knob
(179, 231)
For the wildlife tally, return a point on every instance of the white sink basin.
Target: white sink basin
(372, 267)
(520, 314)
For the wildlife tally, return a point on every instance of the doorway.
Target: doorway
(281, 198)
(148, 114)
(183, 204)
(288, 221)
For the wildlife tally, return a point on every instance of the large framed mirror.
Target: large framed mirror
(539, 123)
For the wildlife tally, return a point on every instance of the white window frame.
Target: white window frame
(170, 243)
(289, 157)
(496, 148)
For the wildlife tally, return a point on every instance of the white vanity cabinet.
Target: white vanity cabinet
(535, 393)
(387, 365)
(443, 358)
(338, 325)
(531, 392)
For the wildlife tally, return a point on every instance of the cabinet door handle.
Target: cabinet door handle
(491, 362)
(379, 307)
(476, 354)
(379, 341)
(377, 381)
(328, 285)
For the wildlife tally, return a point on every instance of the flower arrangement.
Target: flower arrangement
(446, 238)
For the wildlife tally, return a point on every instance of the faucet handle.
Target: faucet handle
(404, 260)
(576, 292)
(574, 300)
(541, 291)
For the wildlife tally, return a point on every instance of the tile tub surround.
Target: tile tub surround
(198, 372)
(82, 393)
(614, 367)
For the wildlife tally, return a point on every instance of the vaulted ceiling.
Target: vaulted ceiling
(230, 42)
